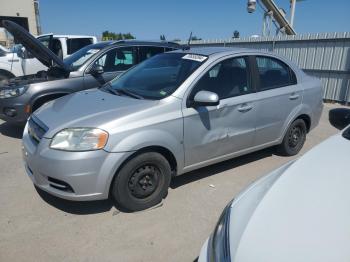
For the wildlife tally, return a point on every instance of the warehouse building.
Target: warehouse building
(24, 13)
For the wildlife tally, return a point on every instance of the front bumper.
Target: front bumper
(79, 176)
(17, 108)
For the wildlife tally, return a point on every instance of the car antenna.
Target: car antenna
(188, 46)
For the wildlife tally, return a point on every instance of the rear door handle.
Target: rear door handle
(245, 108)
(294, 96)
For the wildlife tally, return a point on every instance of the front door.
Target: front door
(215, 131)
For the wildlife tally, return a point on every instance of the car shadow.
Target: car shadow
(11, 130)
(220, 167)
(76, 207)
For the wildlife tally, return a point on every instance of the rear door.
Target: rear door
(215, 131)
(114, 62)
(278, 95)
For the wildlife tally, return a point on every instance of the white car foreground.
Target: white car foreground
(299, 212)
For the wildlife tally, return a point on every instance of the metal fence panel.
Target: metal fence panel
(326, 56)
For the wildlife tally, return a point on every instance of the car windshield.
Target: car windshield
(159, 76)
(78, 58)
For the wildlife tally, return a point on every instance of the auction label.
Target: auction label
(194, 57)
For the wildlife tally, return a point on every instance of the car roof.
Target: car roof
(103, 44)
(67, 36)
(208, 51)
(145, 42)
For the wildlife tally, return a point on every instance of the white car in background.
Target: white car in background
(18, 62)
(299, 212)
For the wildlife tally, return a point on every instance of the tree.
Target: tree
(195, 38)
(106, 35)
(162, 37)
(235, 34)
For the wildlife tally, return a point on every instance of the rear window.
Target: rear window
(274, 73)
(75, 44)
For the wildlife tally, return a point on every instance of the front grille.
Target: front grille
(60, 185)
(36, 129)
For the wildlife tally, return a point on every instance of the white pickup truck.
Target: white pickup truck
(18, 62)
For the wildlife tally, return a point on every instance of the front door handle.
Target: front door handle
(245, 108)
(293, 96)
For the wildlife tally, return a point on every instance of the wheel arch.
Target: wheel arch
(42, 99)
(6, 72)
(165, 152)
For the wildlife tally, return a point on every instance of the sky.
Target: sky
(207, 19)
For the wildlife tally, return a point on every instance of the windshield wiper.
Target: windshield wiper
(129, 93)
(110, 89)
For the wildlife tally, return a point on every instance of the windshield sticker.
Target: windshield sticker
(163, 93)
(198, 58)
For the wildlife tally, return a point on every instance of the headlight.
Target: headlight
(13, 92)
(80, 139)
(219, 245)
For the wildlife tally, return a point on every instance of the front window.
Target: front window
(159, 76)
(77, 59)
(117, 59)
(228, 78)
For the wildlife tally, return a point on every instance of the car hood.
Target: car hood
(305, 215)
(37, 49)
(90, 108)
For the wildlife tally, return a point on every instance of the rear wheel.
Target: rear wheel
(294, 139)
(142, 182)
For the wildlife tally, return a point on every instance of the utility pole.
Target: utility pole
(292, 12)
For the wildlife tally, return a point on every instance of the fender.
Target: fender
(153, 137)
(42, 96)
(302, 109)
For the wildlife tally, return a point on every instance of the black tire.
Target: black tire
(142, 182)
(294, 139)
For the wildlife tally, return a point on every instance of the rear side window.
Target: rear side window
(75, 44)
(274, 73)
(146, 52)
(228, 78)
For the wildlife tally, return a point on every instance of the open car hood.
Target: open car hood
(33, 45)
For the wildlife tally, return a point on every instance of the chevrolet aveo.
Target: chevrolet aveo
(171, 114)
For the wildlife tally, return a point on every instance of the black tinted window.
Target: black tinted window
(228, 78)
(273, 73)
(74, 45)
(149, 51)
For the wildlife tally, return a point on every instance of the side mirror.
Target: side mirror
(21, 53)
(339, 117)
(205, 98)
(97, 70)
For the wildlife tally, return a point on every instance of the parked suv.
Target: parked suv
(90, 67)
(171, 114)
(18, 61)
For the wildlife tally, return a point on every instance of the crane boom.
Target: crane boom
(278, 16)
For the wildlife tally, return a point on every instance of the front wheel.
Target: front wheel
(294, 139)
(142, 182)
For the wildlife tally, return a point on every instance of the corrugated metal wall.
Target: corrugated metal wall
(326, 56)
